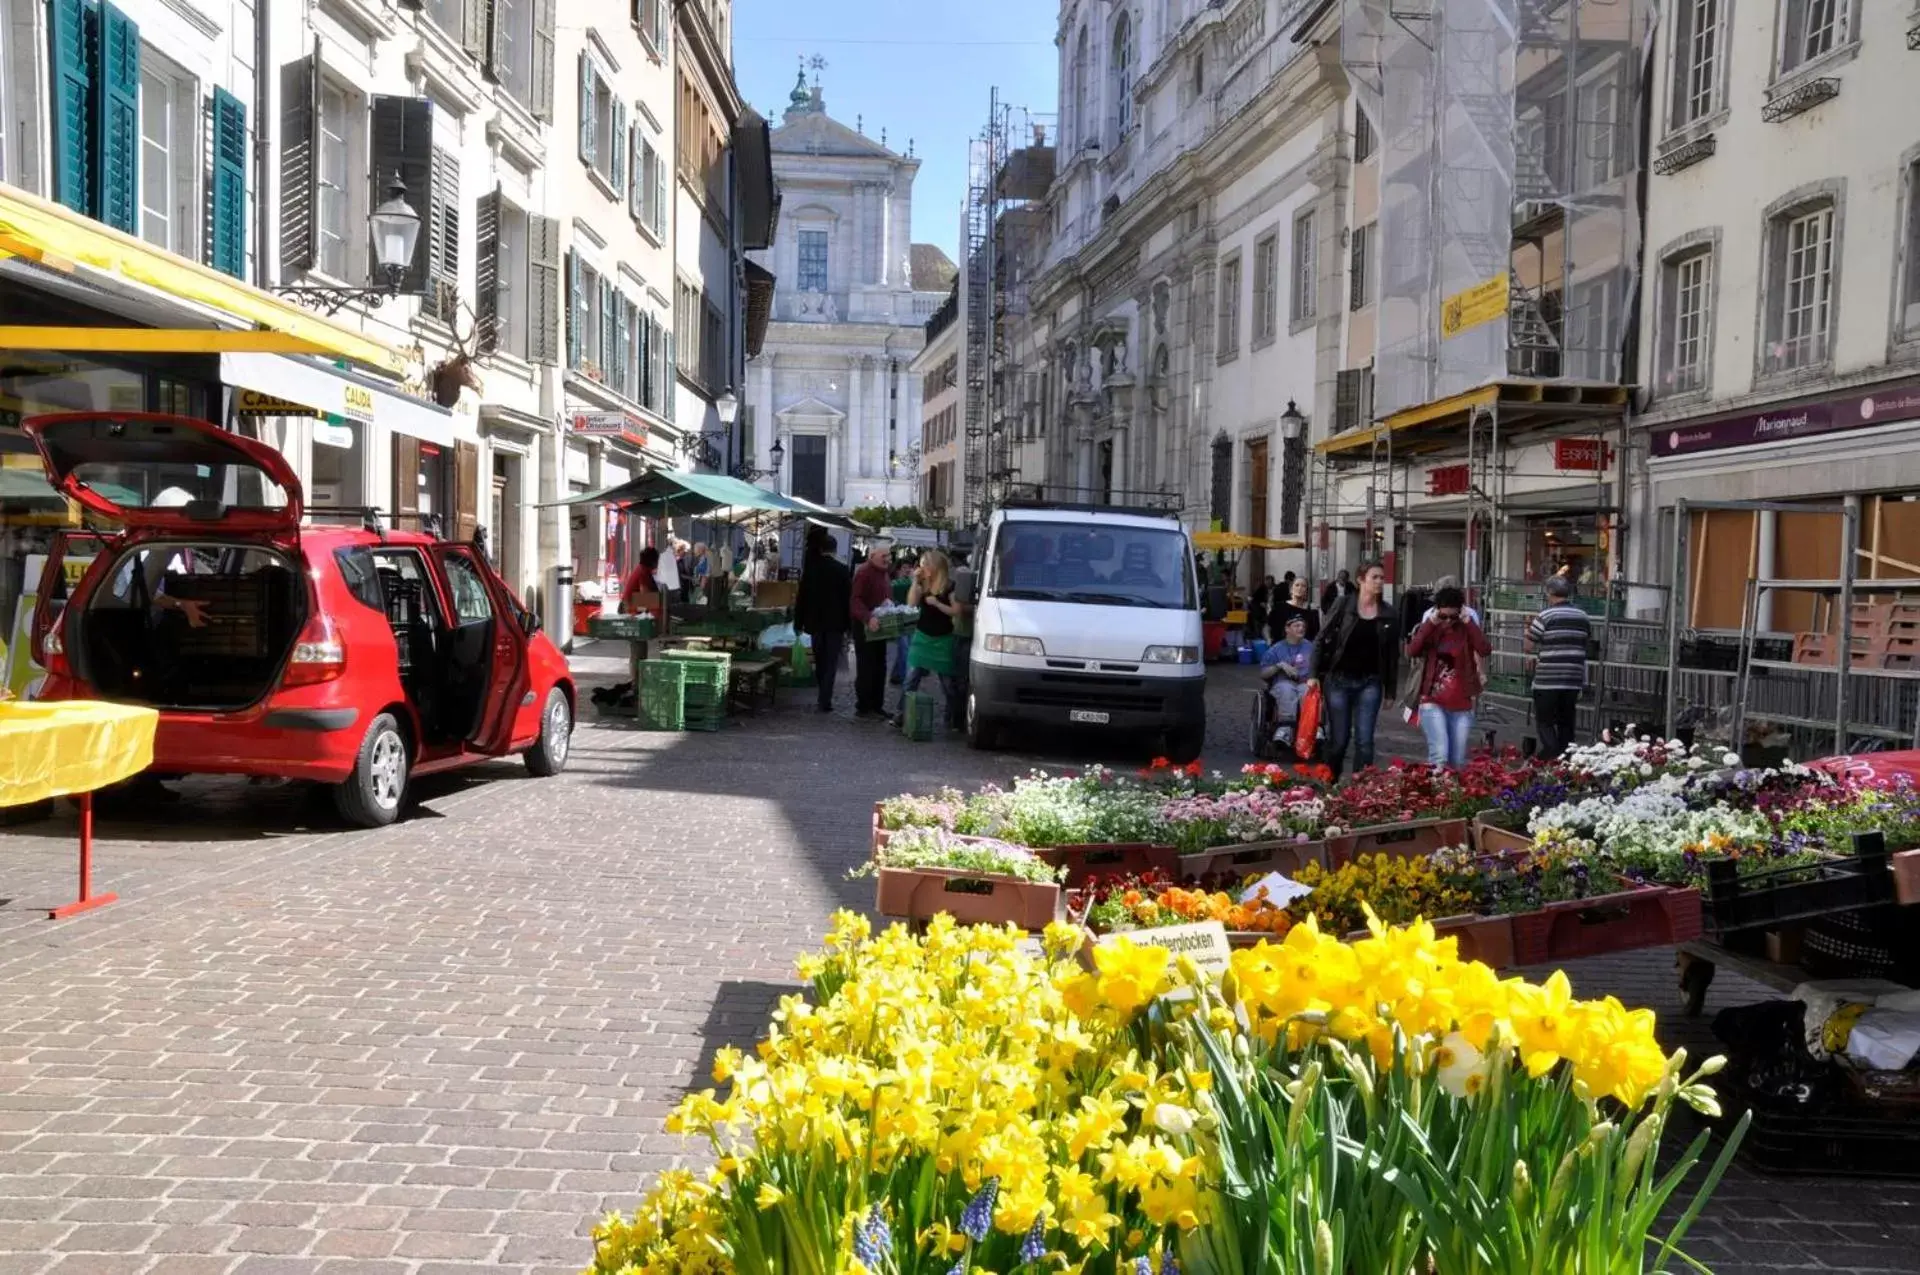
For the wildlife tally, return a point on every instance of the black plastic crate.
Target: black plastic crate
(1857, 1140)
(1763, 900)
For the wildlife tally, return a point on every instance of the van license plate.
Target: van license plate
(1088, 716)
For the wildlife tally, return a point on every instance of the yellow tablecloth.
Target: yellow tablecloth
(75, 746)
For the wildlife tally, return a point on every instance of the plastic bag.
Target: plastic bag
(1306, 723)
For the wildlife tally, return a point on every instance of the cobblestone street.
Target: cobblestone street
(292, 1049)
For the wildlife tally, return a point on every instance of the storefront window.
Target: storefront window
(337, 481)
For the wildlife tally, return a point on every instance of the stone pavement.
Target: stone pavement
(292, 1049)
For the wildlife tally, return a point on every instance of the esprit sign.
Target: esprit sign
(1588, 454)
(1449, 480)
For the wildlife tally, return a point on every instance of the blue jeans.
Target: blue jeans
(900, 645)
(1353, 710)
(949, 694)
(1449, 735)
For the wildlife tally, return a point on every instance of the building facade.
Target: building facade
(942, 410)
(1781, 321)
(833, 383)
(1189, 283)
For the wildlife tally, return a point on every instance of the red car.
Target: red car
(348, 656)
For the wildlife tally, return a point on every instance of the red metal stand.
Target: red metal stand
(88, 900)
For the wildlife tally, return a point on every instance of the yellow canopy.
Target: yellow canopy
(63, 240)
(1232, 541)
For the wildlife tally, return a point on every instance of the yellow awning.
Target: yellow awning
(1355, 440)
(60, 239)
(1233, 541)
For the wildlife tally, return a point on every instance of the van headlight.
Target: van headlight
(1007, 644)
(1171, 655)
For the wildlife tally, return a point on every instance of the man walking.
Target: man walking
(1558, 639)
(871, 589)
(820, 609)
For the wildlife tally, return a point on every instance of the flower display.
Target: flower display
(918, 847)
(950, 1102)
(1150, 901)
(1397, 890)
(1203, 821)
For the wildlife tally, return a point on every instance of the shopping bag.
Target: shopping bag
(778, 637)
(1306, 724)
(802, 662)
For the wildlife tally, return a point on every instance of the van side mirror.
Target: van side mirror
(963, 586)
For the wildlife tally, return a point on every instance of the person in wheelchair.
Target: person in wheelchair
(1287, 667)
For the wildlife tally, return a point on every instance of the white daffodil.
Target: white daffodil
(1458, 1066)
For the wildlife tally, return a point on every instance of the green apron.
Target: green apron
(934, 654)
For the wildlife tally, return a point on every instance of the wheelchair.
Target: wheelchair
(1266, 720)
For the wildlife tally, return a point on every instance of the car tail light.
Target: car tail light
(318, 655)
(53, 649)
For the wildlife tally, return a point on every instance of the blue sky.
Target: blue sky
(920, 69)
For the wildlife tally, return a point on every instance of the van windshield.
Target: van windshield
(1099, 566)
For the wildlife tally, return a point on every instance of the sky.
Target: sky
(920, 69)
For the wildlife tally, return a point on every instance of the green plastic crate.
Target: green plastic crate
(620, 628)
(918, 716)
(662, 691)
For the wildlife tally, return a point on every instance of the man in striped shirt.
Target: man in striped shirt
(1558, 639)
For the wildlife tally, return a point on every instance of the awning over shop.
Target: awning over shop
(1233, 541)
(59, 239)
(330, 391)
(760, 286)
(674, 493)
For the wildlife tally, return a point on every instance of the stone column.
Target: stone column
(856, 424)
(875, 461)
(765, 426)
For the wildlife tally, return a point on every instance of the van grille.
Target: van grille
(1068, 690)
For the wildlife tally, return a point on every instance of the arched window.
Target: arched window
(1080, 120)
(1122, 78)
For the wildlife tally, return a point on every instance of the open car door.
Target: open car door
(491, 645)
(151, 472)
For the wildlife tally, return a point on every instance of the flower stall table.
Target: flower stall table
(72, 749)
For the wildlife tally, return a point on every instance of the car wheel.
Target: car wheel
(548, 756)
(1184, 744)
(371, 797)
(981, 733)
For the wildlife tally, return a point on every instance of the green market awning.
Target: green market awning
(672, 493)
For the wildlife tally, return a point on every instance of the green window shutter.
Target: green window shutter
(637, 180)
(577, 307)
(72, 114)
(586, 110)
(544, 25)
(543, 311)
(402, 143)
(117, 120)
(227, 244)
(617, 167)
(486, 275)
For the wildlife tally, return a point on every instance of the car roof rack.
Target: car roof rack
(1131, 511)
(369, 517)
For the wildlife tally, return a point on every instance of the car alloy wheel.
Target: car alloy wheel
(388, 770)
(558, 730)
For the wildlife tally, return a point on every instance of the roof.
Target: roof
(1083, 514)
(817, 133)
(933, 270)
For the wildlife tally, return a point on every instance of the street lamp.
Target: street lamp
(394, 228)
(1292, 423)
(728, 405)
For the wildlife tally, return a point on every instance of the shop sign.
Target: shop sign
(1886, 405)
(356, 403)
(1481, 304)
(254, 403)
(1589, 455)
(1204, 941)
(610, 425)
(1449, 480)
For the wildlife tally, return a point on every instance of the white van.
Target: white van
(1087, 616)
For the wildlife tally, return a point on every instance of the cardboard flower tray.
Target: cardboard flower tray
(1412, 840)
(972, 898)
(1254, 859)
(1635, 917)
(1491, 838)
(1084, 863)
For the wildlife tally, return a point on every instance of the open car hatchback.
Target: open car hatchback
(348, 656)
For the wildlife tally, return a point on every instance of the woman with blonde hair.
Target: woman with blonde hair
(932, 649)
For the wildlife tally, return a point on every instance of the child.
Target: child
(1288, 665)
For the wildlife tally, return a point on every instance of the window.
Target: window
(1080, 95)
(813, 261)
(513, 31)
(1360, 294)
(1688, 285)
(1910, 298)
(1800, 299)
(1600, 112)
(650, 17)
(647, 200)
(1227, 340)
(1810, 29)
(807, 461)
(714, 349)
(1305, 268)
(1266, 287)
(690, 322)
(1363, 139)
(514, 265)
(170, 204)
(449, 15)
(472, 603)
(589, 314)
(339, 245)
(1122, 81)
(603, 127)
(702, 157)
(1696, 61)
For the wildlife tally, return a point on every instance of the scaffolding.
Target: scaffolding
(1509, 236)
(1010, 169)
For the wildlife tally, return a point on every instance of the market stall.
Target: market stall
(72, 749)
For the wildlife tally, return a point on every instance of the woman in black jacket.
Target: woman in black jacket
(1356, 659)
(822, 606)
